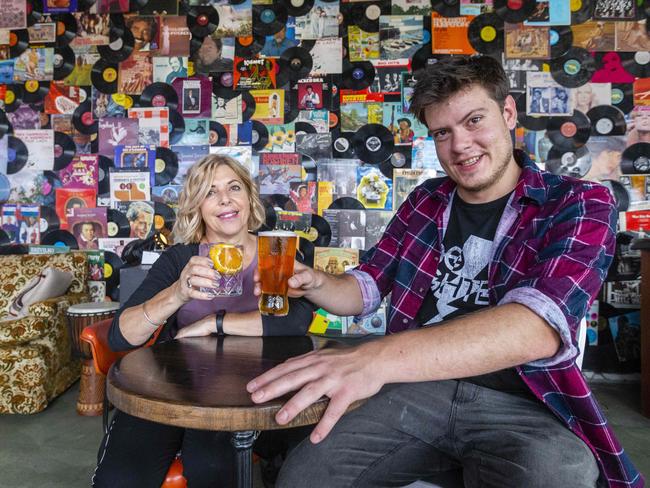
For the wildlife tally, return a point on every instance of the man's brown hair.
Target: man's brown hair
(438, 82)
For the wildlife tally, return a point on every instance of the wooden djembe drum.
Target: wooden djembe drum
(92, 386)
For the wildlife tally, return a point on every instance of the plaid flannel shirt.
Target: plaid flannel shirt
(551, 252)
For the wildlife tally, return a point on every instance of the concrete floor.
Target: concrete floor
(58, 448)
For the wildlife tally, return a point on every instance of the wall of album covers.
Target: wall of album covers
(106, 103)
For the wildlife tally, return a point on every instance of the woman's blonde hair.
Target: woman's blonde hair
(189, 227)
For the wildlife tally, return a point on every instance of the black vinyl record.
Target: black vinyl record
(575, 163)
(514, 12)
(574, 68)
(298, 62)
(569, 132)
(202, 20)
(581, 11)
(104, 76)
(64, 150)
(636, 159)
(561, 38)
(159, 95)
(619, 192)
(166, 167)
(5, 125)
(120, 48)
(401, 158)
(485, 33)
(13, 97)
(342, 147)
(117, 224)
(306, 249)
(269, 19)
(83, 120)
(424, 58)
(358, 75)
(112, 265)
(35, 91)
(18, 42)
(176, 126)
(283, 74)
(249, 46)
(623, 97)
(64, 61)
(346, 203)
(104, 166)
(309, 168)
(218, 135)
(164, 216)
(320, 233)
(448, 8)
(260, 136)
(365, 15)
(49, 220)
(305, 128)
(59, 238)
(16, 155)
(248, 106)
(373, 143)
(637, 63)
(297, 8)
(66, 29)
(607, 121)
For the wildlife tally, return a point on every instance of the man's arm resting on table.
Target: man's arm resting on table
(496, 338)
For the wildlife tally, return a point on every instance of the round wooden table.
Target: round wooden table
(200, 383)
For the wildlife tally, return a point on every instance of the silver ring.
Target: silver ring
(189, 284)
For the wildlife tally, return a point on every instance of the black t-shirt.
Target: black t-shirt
(460, 285)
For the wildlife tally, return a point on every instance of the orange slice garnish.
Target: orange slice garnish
(227, 258)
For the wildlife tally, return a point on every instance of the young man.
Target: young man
(490, 271)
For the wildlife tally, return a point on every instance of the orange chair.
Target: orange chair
(96, 335)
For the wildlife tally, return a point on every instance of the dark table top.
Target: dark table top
(201, 382)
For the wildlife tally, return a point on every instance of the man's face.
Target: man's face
(175, 64)
(141, 225)
(537, 94)
(279, 36)
(642, 120)
(472, 136)
(209, 52)
(403, 126)
(140, 31)
(88, 232)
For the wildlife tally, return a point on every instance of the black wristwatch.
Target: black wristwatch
(219, 320)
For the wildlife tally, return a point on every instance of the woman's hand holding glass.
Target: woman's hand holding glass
(198, 273)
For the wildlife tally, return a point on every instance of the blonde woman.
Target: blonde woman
(218, 203)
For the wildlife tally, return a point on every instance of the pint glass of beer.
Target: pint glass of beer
(276, 252)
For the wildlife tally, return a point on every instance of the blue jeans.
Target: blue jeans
(430, 430)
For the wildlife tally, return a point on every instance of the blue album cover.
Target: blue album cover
(7, 71)
(59, 6)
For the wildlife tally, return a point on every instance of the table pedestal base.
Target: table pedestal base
(91, 390)
(243, 443)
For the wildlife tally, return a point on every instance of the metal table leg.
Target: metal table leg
(243, 442)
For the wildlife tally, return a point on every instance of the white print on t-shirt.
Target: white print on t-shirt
(456, 280)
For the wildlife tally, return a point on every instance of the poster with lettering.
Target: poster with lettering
(13, 14)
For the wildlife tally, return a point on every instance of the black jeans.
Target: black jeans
(137, 453)
(431, 430)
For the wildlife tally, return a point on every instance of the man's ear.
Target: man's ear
(510, 112)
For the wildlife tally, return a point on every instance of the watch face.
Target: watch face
(642, 164)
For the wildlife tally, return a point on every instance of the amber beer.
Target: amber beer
(276, 252)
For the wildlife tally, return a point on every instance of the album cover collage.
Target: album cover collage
(105, 104)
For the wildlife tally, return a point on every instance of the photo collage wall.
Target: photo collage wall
(105, 104)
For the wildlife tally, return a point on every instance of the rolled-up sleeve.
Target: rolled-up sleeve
(369, 291)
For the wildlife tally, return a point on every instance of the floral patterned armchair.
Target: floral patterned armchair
(35, 350)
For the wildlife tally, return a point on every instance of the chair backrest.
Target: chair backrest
(96, 335)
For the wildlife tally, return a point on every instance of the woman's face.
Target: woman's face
(227, 208)
(209, 52)
(583, 95)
